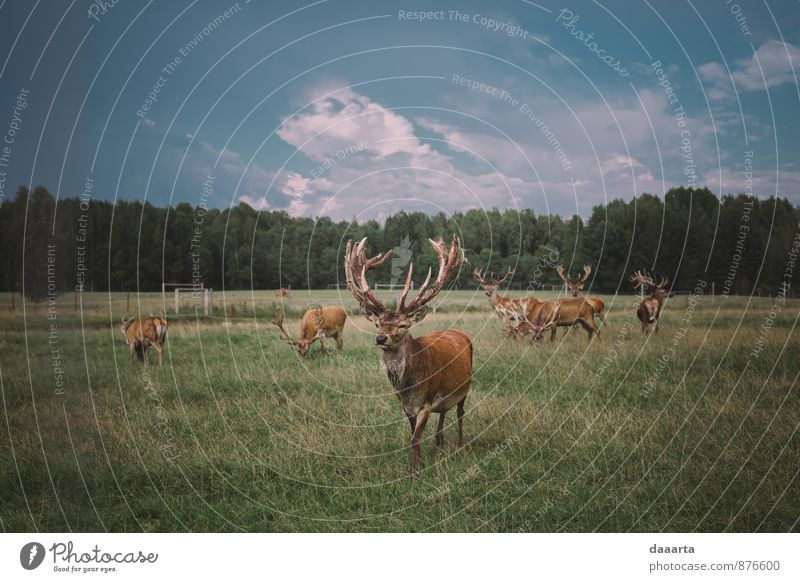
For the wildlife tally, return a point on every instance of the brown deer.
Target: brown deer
(546, 319)
(572, 311)
(505, 307)
(649, 308)
(429, 374)
(141, 334)
(283, 292)
(577, 286)
(318, 323)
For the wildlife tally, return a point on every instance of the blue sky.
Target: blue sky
(361, 109)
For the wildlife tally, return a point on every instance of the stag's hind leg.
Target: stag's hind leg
(460, 416)
(590, 328)
(440, 430)
(339, 342)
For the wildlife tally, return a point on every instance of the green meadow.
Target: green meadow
(693, 429)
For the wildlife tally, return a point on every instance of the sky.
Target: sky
(360, 109)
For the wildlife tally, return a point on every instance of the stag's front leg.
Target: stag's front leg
(416, 436)
(322, 345)
(339, 342)
(440, 430)
(160, 350)
(132, 349)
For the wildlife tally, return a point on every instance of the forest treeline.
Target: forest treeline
(740, 243)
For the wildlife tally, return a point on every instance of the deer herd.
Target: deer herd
(432, 373)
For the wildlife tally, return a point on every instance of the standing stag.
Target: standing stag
(432, 373)
(140, 334)
(649, 308)
(318, 323)
(577, 286)
(506, 308)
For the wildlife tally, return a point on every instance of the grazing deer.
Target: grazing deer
(506, 308)
(429, 374)
(283, 292)
(140, 334)
(572, 311)
(318, 323)
(577, 286)
(649, 308)
(546, 319)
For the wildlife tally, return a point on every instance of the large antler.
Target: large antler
(448, 261)
(574, 285)
(662, 282)
(280, 322)
(641, 279)
(356, 266)
(587, 270)
(478, 274)
(320, 321)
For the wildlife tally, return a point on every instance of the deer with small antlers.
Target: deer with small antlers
(649, 308)
(546, 318)
(577, 286)
(572, 311)
(431, 373)
(318, 323)
(506, 308)
(283, 292)
(141, 334)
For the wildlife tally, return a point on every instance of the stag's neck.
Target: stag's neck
(398, 364)
(494, 299)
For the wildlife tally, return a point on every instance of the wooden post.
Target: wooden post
(206, 303)
(712, 289)
(128, 303)
(177, 300)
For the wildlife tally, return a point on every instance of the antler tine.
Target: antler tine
(563, 275)
(279, 321)
(641, 279)
(477, 273)
(662, 281)
(553, 315)
(587, 270)
(356, 266)
(403, 296)
(507, 275)
(447, 263)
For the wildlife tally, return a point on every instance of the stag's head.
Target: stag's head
(489, 282)
(393, 325)
(300, 346)
(544, 321)
(575, 286)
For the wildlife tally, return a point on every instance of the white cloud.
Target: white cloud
(772, 64)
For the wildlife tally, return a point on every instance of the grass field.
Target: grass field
(682, 431)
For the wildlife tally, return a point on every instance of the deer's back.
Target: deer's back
(333, 319)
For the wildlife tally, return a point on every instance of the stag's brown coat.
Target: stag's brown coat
(145, 333)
